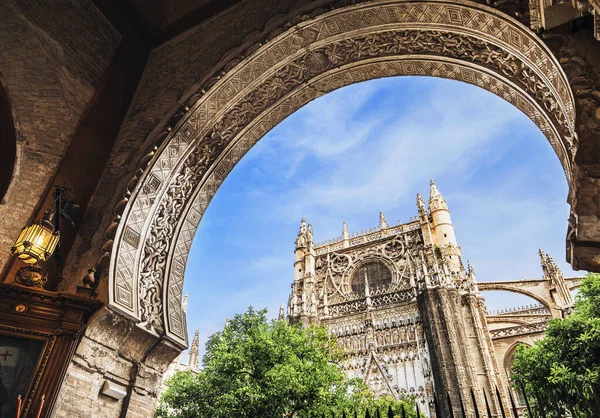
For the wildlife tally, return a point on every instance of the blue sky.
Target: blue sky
(372, 147)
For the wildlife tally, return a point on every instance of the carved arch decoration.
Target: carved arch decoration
(165, 201)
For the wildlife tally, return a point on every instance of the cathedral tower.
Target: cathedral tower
(442, 229)
(303, 299)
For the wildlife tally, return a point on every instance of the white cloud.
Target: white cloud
(374, 163)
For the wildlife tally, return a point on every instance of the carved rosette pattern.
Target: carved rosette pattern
(457, 40)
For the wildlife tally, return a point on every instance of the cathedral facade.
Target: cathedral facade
(410, 316)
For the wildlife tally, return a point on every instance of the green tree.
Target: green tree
(561, 372)
(261, 368)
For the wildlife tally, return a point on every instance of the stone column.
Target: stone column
(116, 352)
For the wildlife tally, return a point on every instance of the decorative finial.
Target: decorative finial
(309, 236)
(436, 201)
(421, 205)
(382, 222)
(303, 240)
(281, 316)
(89, 279)
(470, 267)
(345, 233)
(433, 190)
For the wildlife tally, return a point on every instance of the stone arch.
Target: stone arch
(515, 288)
(151, 235)
(8, 141)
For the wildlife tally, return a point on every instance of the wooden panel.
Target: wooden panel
(55, 320)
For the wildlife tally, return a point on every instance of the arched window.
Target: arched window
(518, 396)
(378, 275)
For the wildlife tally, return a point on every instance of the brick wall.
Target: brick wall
(52, 60)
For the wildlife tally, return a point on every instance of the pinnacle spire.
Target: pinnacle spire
(304, 234)
(544, 262)
(382, 222)
(436, 201)
(552, 272)
(193, 358)
(421, 205)
(549, 266)
(281, 316)
(345, 233)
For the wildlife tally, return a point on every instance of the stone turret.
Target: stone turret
(194, 349)
(304, 264)
(442, 229)
(303, 304)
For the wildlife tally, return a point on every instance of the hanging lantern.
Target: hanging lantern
(37, 241)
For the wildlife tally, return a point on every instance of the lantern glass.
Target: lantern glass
(36, 242)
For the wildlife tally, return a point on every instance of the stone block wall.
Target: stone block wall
(113, 349)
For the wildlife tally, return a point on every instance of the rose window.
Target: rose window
(378, 276)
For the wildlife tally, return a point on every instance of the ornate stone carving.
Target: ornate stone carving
(165, 202)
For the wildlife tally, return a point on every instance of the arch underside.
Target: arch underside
(456, 40)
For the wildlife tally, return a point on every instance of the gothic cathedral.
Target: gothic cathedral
(408, 314)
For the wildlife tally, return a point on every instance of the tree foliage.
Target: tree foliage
(561, 372)
(260, 368)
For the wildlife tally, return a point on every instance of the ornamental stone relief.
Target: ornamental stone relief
(335, 270)
(166, 200)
